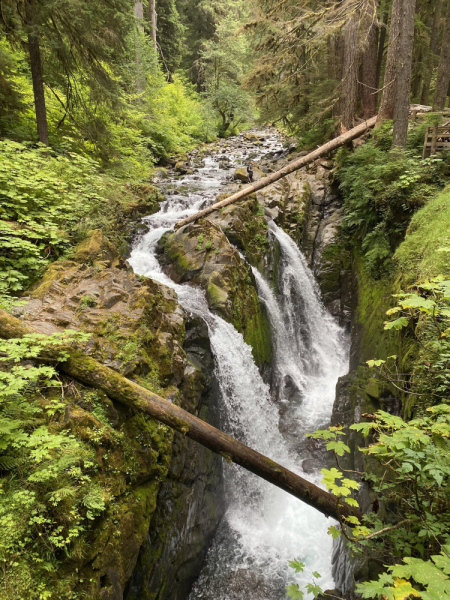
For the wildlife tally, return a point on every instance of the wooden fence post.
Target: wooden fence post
(434, 139)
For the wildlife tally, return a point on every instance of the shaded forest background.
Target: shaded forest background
(104, 81)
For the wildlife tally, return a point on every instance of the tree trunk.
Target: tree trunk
(140, 72)
(153, 22)
(349, 89)
(443, 77)
(381, 43)
(289, 168)
(84, 368)
(369, 66)
(37, 76)
(389, 84)
(403, 87)
(431, 60)
(335, 50)
(139, 12)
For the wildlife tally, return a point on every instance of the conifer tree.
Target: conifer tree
(350, 72)
(435, 22)
(170, 34)
(443, 77)
(66, 40)
(34, 51)
(389, 84)
(403, 85)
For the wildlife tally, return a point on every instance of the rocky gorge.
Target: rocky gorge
(169, 494)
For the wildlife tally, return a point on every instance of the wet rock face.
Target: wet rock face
(137, 324)
(306, 204)
(167, 489)
(190, 500)
(201, 254)
(245, 226)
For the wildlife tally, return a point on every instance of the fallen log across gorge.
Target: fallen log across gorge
(289, 168)
(89, 371)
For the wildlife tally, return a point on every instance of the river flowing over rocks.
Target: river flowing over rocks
(278, 352)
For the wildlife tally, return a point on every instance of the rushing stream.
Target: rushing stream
(264, 527)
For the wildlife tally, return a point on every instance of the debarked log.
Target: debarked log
(87, 370)
(295, 165)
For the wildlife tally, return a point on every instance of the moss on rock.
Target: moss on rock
(201, 254)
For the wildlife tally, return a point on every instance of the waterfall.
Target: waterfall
(264, 527)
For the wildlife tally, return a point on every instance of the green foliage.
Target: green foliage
(170, 34)
(424, 315)
(382, 190)
(146, 117)
(433, 575)
(413, 480)
(423, 254)
(46, 202)
(224, 60)
(48, 490)
(293, 590)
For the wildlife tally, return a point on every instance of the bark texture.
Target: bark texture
(369, 65)
(389, 84)
(381, 44)
(37, 76)
(431, 59)
(349, 90)
(290, 168)
(443, 77)
(403, 87)
(87, 370)
(153, 20)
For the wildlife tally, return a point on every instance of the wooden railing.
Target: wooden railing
(437, 138)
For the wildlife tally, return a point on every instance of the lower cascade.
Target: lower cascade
(263, 527)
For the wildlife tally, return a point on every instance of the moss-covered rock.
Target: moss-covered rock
(201, 254)
(137, 328)
(96, 248)
(241, 175)
(246, 227)
(251, 137)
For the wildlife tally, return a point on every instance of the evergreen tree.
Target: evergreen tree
(403, 75)
(170, 34)
(443, 76)
(387, 105)
(435, 11)
(67, 41)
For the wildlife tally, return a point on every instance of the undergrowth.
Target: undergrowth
(48, 202)
(48, 491)
(382, 190)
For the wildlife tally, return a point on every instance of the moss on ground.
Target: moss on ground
(426, 250)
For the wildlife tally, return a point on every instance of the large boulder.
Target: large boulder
(245, 226)
(251, 137)
(96, 249)
(182, 167)
(200, 253)
(241, 175)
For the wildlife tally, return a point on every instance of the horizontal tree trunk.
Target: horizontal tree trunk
(89, 371)
(290, 168)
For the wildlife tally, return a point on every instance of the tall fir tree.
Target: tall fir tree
(67, 40)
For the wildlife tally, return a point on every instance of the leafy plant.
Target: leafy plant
(48, 492)
(413, 480)
(382, 190)
(423, 314)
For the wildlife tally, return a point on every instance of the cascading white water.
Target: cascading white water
(263, 527)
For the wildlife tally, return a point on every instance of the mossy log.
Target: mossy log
(290, 168)
(87, 370)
